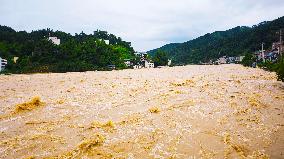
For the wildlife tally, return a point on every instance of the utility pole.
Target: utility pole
(263, 59)
(280, 47)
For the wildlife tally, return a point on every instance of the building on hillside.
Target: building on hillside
(258, 55)
(275, 45)
(106, 41)
(3, 63)
(272, 56)
(278, 47)
(54, 40)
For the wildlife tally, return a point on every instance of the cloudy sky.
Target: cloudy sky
(148, 24)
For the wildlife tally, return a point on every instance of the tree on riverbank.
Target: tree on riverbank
(160, 58)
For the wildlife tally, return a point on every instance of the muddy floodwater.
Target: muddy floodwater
(225, 111)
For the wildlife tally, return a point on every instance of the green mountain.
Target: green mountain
(233, 42)
(79, 52)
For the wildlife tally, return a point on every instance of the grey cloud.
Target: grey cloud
(146, 23)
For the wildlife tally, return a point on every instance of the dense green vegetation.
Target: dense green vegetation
(79, 52)
(277, 67)
(280, 69)
(160, 58)
(248, 60)
(233, 42)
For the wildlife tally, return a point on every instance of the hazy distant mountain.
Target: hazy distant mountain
(232, 42)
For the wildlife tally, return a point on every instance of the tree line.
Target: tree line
(237, 41)
(79, 52)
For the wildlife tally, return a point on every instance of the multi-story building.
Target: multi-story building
(3, 63)
(144, 61)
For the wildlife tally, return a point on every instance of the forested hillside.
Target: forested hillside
(236, 41)
(79, 52)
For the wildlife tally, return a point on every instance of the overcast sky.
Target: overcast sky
(148, 24)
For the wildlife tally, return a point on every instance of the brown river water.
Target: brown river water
(225, 111)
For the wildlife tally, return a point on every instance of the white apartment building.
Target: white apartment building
(149, 64)
(106, 41)
(54, 40)
(3, 63)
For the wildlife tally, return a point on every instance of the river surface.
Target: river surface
(225, 111)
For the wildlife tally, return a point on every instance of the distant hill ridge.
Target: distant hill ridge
(233, 42)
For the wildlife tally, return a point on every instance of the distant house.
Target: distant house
(54, 40)
(144, 61)
(127, 62)
(149, 64)
(259, 55)
(111, 67)
(267, 55)
(239, 59)
(222, 60)
(271, 56)
(231, 59)
(3, 63)
(169, 62)
(106, 41)
(276, 46)
(137, 66)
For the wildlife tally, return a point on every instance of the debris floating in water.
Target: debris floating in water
(155, 110)
(28, 106)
